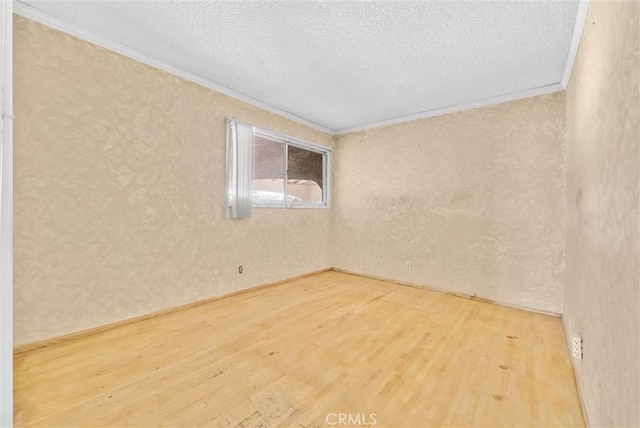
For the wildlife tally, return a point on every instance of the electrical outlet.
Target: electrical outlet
(240, 269)
(577, 347)
(407, 265)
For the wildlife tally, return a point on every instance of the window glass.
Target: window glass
(268, 170)
(304, 172)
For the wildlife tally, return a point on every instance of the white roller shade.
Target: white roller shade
(239, 169)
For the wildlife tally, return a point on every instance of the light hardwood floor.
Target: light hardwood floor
(302, 353)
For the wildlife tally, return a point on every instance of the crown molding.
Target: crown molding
(37, 15)
(581, 17)
(549, 89)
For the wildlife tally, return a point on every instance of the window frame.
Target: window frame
(287, 141)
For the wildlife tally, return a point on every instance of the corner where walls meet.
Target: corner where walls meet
(474, 201)
(118, 201)
(119, 191)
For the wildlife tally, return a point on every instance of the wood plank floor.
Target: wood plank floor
(331, 349)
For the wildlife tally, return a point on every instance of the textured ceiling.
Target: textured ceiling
(344, 64)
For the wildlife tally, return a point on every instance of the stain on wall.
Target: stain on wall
(119, 191)
(475, 200)
(602, 291)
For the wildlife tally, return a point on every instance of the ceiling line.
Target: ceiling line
(542, 90)
(581, 17)
(37, 15)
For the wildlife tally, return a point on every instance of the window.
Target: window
(266, 169)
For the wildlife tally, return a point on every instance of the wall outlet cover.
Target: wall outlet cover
(577, 347)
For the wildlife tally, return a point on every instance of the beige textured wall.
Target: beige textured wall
(603, 185)
(119, 189)
(475, 200)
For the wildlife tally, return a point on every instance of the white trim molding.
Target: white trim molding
(556, 87)
(37, 15)
(581, 17)
(64, 26)
(6, 214)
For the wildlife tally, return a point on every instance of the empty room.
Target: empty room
(320, 213)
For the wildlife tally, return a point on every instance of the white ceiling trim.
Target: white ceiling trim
(37, 15)
(64, 26)
(549, 89)
(581, 17)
